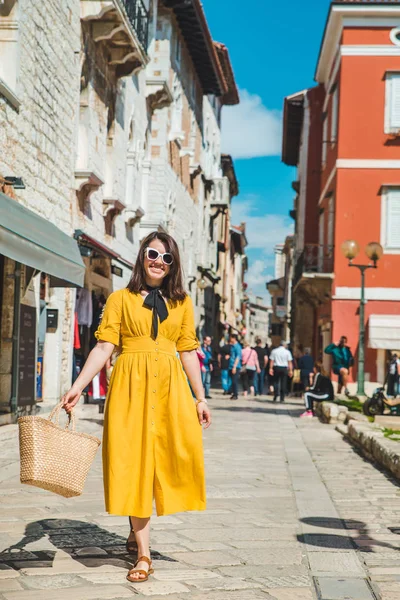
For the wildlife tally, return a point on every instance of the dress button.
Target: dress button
(154, 391)
(155, 374)
(152, 422)
(153, 407)
(156, 343)
(156, 358)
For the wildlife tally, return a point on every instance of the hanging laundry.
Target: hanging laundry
(84, 307)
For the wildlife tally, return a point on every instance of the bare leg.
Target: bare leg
(252, 390)
(345, 377)
(141, 527)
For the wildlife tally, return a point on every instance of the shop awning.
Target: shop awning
(33, 241)
(85, 240)
(384, 332)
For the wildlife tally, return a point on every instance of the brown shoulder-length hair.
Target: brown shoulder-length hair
(172, 284)
(319, 367)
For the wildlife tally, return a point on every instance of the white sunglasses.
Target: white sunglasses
(153, 254)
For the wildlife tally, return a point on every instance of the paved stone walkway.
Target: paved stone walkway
(293, 514)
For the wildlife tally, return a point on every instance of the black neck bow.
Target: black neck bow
(155, 302)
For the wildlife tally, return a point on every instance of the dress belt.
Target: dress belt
(146, 343)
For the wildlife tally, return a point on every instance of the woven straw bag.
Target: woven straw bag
(55, 458)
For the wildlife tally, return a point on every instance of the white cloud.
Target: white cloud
(262, 231)
(256, 277)
(250, 129)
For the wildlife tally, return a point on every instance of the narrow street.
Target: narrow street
(292, 509)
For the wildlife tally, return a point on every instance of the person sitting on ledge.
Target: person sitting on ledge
(321, 390)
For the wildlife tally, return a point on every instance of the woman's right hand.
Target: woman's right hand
(71, 398)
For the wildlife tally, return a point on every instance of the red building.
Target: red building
(344, 137)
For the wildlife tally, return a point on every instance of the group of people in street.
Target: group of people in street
(254, 367)
(278, 369)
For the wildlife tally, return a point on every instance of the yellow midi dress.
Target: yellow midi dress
(152, 440)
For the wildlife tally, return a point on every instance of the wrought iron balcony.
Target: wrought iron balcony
(123, 26)
(138, 17)
(315, 258)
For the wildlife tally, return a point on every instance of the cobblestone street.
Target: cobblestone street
(294, 513)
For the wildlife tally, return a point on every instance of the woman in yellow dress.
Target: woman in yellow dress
(152, 441)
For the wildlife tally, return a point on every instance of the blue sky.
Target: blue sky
(274, 49)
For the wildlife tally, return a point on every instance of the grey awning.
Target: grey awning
(31, 240)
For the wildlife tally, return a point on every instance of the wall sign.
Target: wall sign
(51, 318)
(116, 271)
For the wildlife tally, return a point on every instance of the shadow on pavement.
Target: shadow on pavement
(87, 543)
(266, 406)
(251, 409)
(362, 541)
(95, 421)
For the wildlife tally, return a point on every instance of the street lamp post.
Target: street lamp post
(374, 251)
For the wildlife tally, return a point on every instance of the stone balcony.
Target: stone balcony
(123, 25)
(314, 271)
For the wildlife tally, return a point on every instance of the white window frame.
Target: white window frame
(335, 116)
(9, 52)
(331, 224)
(389, 77)
(384, 214)
(393, 36)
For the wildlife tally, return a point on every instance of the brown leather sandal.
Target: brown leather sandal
(141, 571)
(131, 545)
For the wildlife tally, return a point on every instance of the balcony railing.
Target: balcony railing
(138, 17)
(315, 258)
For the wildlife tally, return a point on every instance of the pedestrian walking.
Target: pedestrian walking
(152, 442)
(250, 366)
(393, 376)
(224, 355)
(322, 389)
(268, 381)
(207, 364)
(306, 366)
(290, 382)
(263, 362)
(235, 364)
(280, 367)
(342, 362)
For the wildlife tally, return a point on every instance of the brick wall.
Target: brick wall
(37, 142)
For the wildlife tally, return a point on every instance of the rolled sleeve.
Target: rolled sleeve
(109, 329)
(187, 340)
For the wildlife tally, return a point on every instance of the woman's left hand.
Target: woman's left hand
(203, 414)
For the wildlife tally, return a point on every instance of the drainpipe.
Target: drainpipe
(15, 338)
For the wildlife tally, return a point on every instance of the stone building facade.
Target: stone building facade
(258, 320)
(236, 267)
(189, 195)
(110, 115)
(38, 92)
